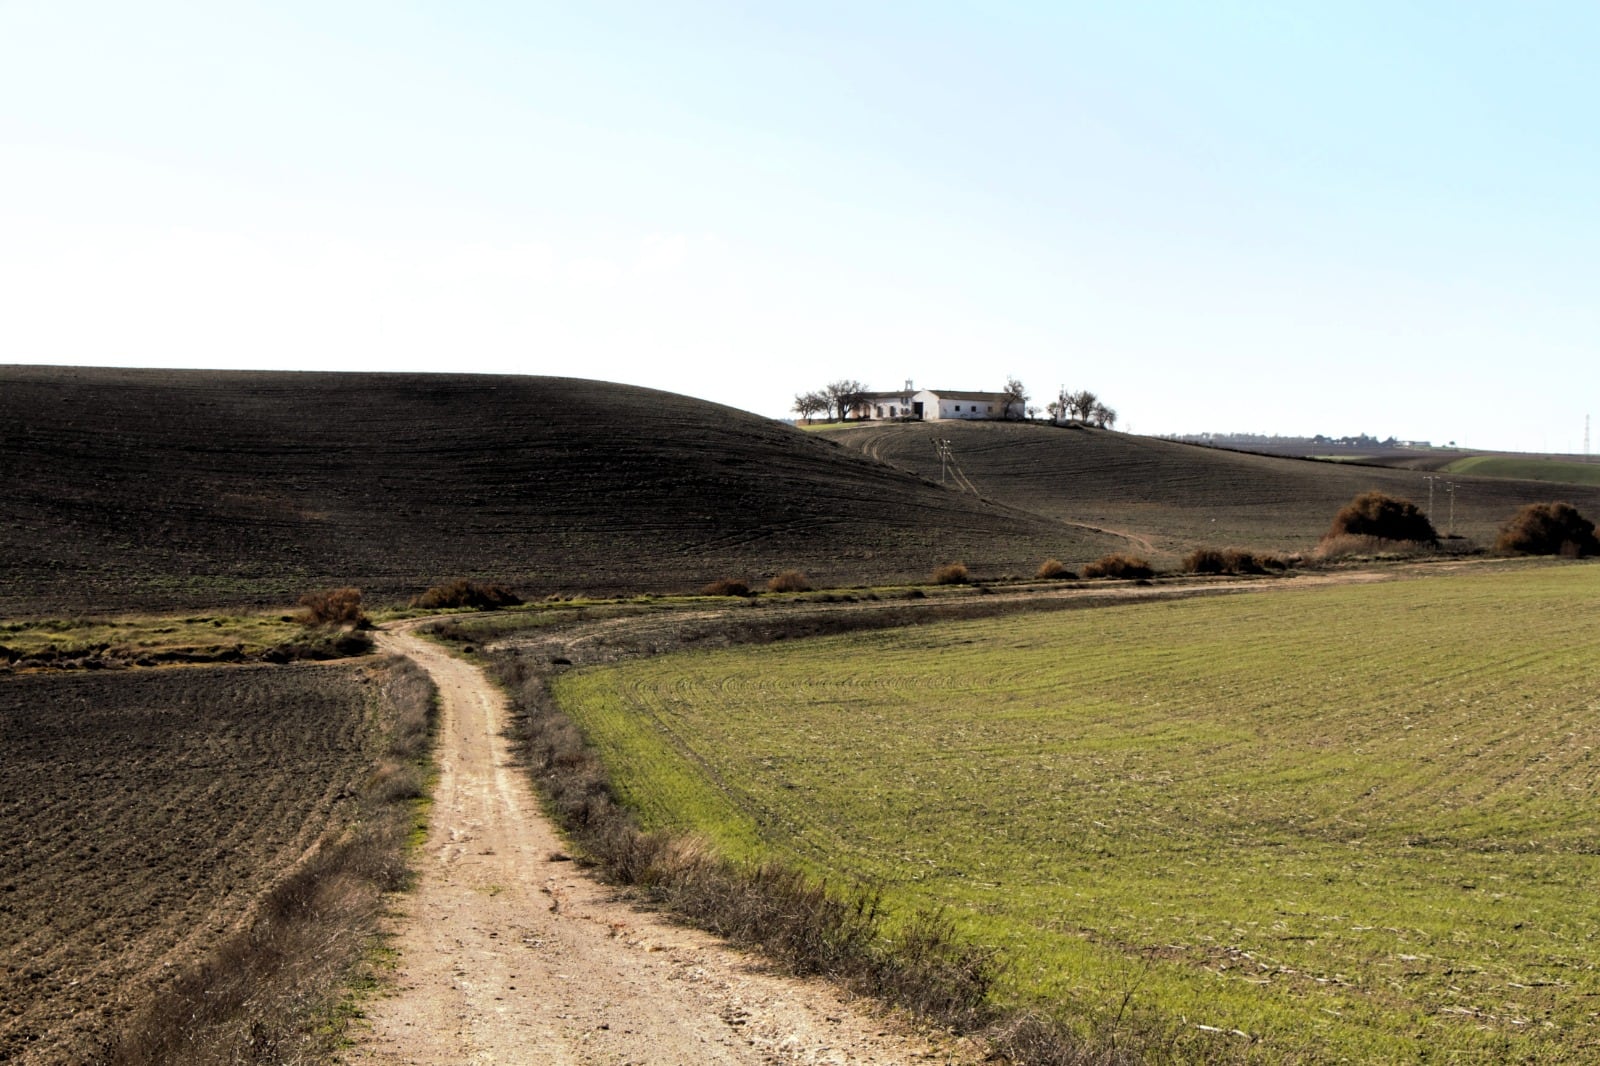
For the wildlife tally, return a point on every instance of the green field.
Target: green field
(1350, 824)
(1528, 469)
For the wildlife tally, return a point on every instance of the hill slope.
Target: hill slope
(1178, 496)
(138, 488)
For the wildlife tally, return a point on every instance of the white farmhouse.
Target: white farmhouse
(933, 405)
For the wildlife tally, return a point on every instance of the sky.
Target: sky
(1289, 218)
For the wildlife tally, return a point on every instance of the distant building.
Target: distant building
(931, 405)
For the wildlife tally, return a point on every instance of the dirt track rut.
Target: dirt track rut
(508, 953)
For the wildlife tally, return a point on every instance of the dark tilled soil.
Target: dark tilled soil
(130, 489)
(1177, 496)
(143, 813)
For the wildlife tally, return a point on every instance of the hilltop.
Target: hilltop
(154, 488)
(1176, 496)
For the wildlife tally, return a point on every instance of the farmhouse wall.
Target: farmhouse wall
(930, 405)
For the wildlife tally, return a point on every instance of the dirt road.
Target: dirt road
(509, 953)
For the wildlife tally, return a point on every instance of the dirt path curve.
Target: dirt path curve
(510, 954)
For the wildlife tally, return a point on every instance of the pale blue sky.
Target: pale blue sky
(1296, 218)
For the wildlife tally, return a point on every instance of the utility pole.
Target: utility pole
(1586, 438)
(1430, 479)
(1450, 487)
(942, 446)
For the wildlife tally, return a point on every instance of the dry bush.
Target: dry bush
(1119, 565)
(1231, 561)
(726, 586)
(789, 581)
(1054, 569)
(332, 607)
(1548, 529)
(1376, 514)
(464, 593)
(951, 574)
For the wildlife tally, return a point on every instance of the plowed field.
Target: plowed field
(142, 813)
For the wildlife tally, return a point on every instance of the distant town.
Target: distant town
(1276, 442)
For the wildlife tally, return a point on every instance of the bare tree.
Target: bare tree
(810, 404)
(1033, 414)
(1081, 403)
(1015, 399)
(843, 395)
(1103, 416)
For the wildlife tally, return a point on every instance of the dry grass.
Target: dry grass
(951, 574)
(725, 586)
(1351, 546)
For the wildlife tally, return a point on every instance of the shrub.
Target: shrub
(1119, 565)
(789, 581)
(466, 594)
(1375, 514)
(1054, 569)
(1205, 561)
(332, 607)
(1231, 561)
(1548, 529)
(951, 574)
(726, 586)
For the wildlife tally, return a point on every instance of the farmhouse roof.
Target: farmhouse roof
(988, 396)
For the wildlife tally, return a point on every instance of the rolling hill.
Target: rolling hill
(1176, 496)
(164, 489)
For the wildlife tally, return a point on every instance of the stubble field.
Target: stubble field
(144, 813)
(1340, 824)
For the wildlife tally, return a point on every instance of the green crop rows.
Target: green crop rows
(1333, 823)
(1530, 469)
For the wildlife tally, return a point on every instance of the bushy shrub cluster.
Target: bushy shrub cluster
(1376, 514)
(332, 607)
(1548, 529)
(464, 593)
(1119, 565)
(726, 586)
(951, 574)
(789, 581)
(1232, 561)
(1054, 570)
